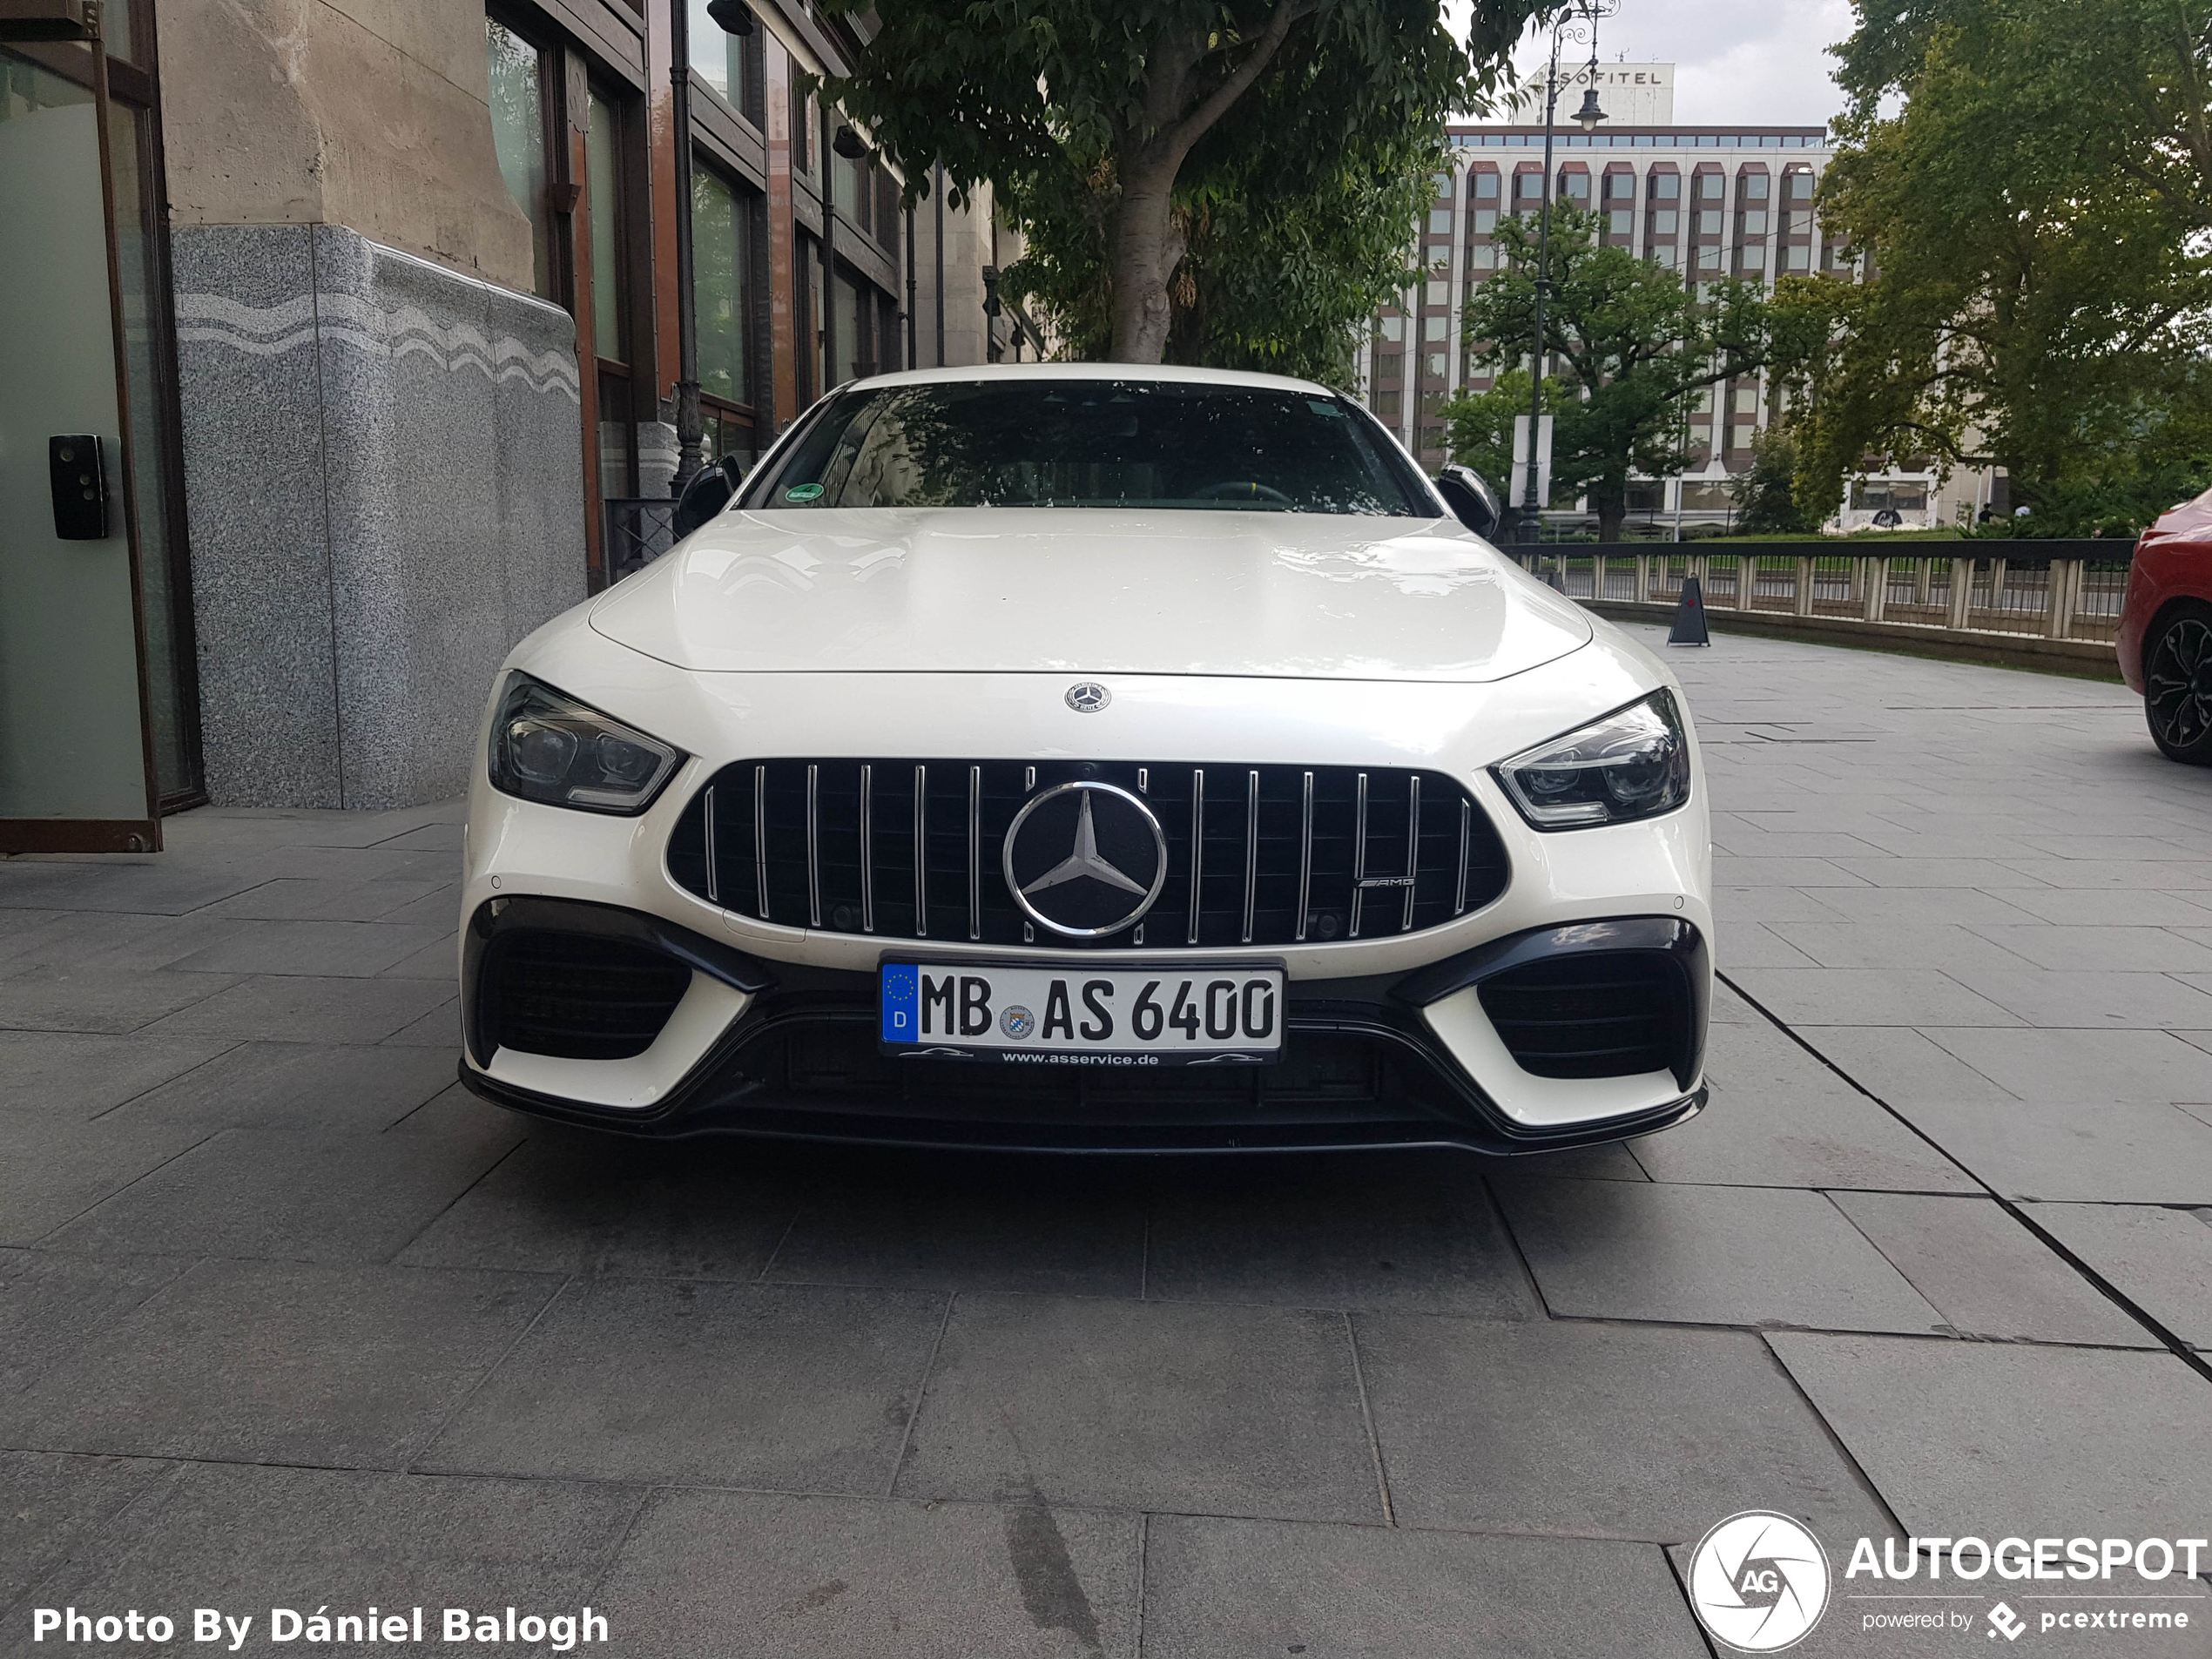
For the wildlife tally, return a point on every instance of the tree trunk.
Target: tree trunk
(1146, 250)
(1612, 512)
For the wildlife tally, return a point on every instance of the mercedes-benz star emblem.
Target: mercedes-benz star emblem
(1085, 860)
(1087, 697)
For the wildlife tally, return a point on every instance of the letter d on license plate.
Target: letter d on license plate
(1083, 1015)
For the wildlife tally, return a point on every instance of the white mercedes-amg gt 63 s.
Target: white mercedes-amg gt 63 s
(1089, 756)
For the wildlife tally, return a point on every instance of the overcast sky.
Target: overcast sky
(1759, 62)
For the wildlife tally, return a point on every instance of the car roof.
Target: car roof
(1164, 372)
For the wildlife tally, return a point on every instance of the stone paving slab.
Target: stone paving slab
(2159, 1259)
(1227, 1590)
(1414, 1233)
(567, 1202)
(1994, 1440)
(1987, 1275)
(286, 1085)
(803, 1577)
(61, 1074)
(247, 1539)
(280, 1362)
(801, 1388)
(55, 1506)
(1778, 1117)
(52, 1169)
(298, 1196)
(1596, 1431)
(303, 1009)
(1238, 1411)
(1743, 1256)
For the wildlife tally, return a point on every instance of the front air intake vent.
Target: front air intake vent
(577, 997)
(1261, 856)
(1593, 1014)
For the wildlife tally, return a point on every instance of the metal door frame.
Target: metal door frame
(43, 32)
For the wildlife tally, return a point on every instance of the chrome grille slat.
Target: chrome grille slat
(1251, 847)
(868, 849)
(1412, 848)
(1197, 847)
(841, 845)
(921, 853)
(975, 852)
(814, 846)
(760, 837)
(1360, 861)
(713, 882)
(1459, 893)
(1305, 858)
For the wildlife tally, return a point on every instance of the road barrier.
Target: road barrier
(2045, 604)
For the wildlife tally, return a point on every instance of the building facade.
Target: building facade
(398, 288)
(1707, 202)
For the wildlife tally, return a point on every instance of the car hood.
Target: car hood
(1090, 590)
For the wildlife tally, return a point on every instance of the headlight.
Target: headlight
(1635, 763)
(550, 748)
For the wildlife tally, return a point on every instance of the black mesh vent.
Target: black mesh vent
(1262, 831)
(575, 996)
(1598, 1013)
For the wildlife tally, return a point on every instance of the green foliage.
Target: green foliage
(1763, 494)
(1226, 180)
(1634, 345)
(2039, 293)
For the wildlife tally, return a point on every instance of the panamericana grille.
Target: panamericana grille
(1264, 856)
(1597, 1013)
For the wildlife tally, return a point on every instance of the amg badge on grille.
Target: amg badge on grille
(1087, 697)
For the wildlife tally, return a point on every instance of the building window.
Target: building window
(1485, 220)
(1709, 222)
(1708, 258)
(725, 62)
(1621, 221)
(1667, 257)
(1665, 186)
(1620, 186)
(603, 176)
(1799, 258)
(1754, 258)
(1483, 257)
(1486, 187)
(1436, 328)
(1439, 221)
(1753, 186)
(1800, 187)
(1576, 186)
(721, 239)
(1664, 221)
(1708, 187)
(1754, 222)
(518, 94)
(603, 159)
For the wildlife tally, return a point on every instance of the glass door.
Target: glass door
(75, 761)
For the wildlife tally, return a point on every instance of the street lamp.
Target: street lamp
(1577, 24)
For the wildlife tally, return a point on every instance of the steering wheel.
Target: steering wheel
(1240, 488)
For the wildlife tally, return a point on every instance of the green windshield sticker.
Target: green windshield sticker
(803, 492)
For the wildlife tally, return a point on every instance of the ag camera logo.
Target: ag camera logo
(1758, 1583)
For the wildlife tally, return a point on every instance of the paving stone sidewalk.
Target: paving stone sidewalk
(288, 1319)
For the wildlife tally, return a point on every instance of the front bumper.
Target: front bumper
(750, 1045)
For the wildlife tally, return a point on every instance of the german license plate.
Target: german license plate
(1221, 1014)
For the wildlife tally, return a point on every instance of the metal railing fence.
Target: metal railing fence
(2051, 590)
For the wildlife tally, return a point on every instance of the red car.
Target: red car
(2166, 630)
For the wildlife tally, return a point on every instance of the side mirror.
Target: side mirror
(707, 494)
(1470, 499)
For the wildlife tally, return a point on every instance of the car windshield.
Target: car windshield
(1094, 443)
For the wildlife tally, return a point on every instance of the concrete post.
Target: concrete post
(1804, 585)
(2063, 592)
(1962, 592)
(1875, 571)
